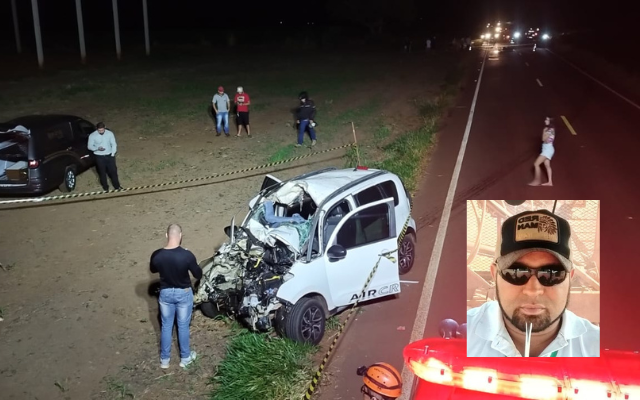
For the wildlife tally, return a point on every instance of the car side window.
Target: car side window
(390, 190)
(365, 227)
(85, 129)
(333, 218)
(369, 195)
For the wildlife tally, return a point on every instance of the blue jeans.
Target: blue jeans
(303, 127)
(222, 115)
(175, 301)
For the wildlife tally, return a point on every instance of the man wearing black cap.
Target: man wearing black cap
(533, 280)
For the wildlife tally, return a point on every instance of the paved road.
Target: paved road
(599, 162)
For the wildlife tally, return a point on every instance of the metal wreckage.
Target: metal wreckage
(244, 275)
(289, 234)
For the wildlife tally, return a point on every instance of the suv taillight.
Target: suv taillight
(33, 163)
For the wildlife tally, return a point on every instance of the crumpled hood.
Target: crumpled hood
(284, 233)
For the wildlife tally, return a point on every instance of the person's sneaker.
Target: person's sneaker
(313, 143)
(218, 134)
(164, 364)
(185, 362)
(298, 145)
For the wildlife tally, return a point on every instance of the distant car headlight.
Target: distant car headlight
(516, 35)
(545, 37)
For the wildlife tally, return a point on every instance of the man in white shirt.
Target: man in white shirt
(533, 280)
(103, 144)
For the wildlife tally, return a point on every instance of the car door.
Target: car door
(81, 131)
(364, 234)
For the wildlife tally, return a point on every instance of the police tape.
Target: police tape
(203, 178)
(316, 377)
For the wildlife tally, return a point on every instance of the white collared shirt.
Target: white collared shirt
(107, 141)
(487, 335)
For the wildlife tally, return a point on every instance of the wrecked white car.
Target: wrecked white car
(306, 248)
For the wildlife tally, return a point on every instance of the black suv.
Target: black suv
(39, 153)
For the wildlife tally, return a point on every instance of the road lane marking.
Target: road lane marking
(409, 282)
(596, 80)
(539, 83)
(526, 63)
(566, 122)
(432, 270)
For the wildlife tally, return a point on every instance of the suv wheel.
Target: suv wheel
(209, 309)
(407, 253)
(69, 183)
(306, 322)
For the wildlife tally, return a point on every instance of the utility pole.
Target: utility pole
(16, 29)
(146, 26)
(116, 27)
(36, 28)
(83, 51)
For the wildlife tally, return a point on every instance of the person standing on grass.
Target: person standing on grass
(173, 263)
(221, 105)
(305, 118)
(242, 101)
(548, 137)
(103, 144)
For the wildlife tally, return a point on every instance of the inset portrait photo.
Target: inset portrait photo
(533, 278)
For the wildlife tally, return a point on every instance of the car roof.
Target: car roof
(322, 185)
(36, 122)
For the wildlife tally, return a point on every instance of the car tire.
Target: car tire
(306, 321)
(70, 180)
(407, 253)
(209, 309)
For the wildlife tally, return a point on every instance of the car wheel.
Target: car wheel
(407, 253)
(306, 322)
(69, 182)
(209, 309)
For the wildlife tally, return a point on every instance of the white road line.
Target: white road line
(409, 282)
(526, 63)
(539, 83)
(432, 271)
(596, 80)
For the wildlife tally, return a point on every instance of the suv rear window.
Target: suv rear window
(378, 192)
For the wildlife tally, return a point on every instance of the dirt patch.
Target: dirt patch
(80, 317)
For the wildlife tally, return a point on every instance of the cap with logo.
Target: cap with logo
(531, 231)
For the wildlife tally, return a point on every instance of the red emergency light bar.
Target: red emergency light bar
(443, 365)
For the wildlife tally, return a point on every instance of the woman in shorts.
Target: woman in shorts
(548, 136)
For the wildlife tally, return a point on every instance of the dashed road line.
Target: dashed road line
(566, 122)
(539, 83)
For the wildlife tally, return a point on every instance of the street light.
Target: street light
(516, 35)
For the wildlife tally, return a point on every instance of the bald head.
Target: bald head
(174, 231)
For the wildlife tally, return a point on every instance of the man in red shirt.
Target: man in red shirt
(242, 101)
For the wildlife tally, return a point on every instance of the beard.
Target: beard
(539, 322)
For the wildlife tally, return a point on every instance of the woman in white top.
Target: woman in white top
(548, 136)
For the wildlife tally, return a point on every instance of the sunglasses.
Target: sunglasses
(548, 275)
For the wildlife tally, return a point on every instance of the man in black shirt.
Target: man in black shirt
(174, 262)
(305, 118)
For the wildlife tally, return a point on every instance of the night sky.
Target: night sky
(465, 17)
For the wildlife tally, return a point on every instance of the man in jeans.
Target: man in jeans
(221, 105)
(174, 262)
(305, 118)
(103, 144)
